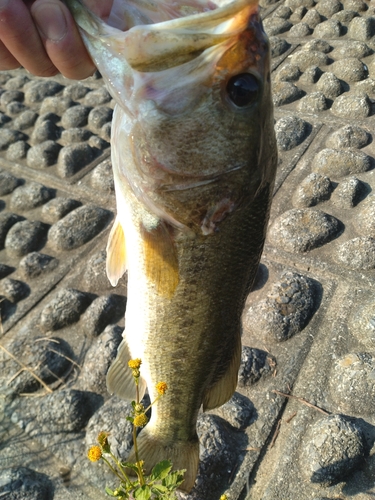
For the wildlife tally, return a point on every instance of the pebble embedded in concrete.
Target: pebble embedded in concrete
(290, 132)
(25, 236)
(255, 364)
(314, 189)
(339, 163)
(63, 310)
(29, 196)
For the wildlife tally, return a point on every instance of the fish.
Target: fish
(194, 158)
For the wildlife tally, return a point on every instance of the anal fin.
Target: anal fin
(219, 393)
(161, 262)
(182, 454)
(120, 379)
(116, 253)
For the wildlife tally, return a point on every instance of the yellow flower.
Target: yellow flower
(94, 454)
(134, 364)
(161, 387)
(140, 420)
(223, 497)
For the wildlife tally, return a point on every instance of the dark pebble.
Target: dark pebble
(36, 264)
(238, 411)
(328, 29)
(9, 96)
(362, 28)
(52, 117)
(318, 45)
(103, 311)
(25, 236)
(78, 227)
(9, 136)
(351, 106)
(358, 253)
(98, 117)
(349, 136)
(25, 120)
(302, 230)
(311, 75)
(7, 220)
(352, 48)
(5, 270)
(314, 189)
(40, 89)
(328, 7)
(56, 105)
(335, 446)
(17, 82)
(43, 155)
(57, 208)
(30, 195)
(255, 364)
(105, 131)
(14, 108)
(350, 69)
(358, 5)
(290, 132)
(95, 276)
(17, 151)
(278, 46)
(75, 116)
(75, 91)
(329, 85)
(45, 131)
(65, 309)
(344, 17)
(22, 483)
(98, 359)
(102, 177)
(283, 11)
(4, 119)
(312, 18)
(97, 97)
(288, 73)
(306, 58)
(285, 312)
(300, 30)
(14, 290)
(7, 182)
(340, 162)
(294, 4)
(285, 93)
(348, 193)
(73, 158)
(298, 14)
(276, 25)
(313, 103)
(365, 87)
(98, 143)
(72, 135)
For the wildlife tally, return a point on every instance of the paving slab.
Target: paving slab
(301, 424)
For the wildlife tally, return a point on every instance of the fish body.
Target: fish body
(194, 160)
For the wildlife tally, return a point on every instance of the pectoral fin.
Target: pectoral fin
(120, 379)
(223, 389)
(161, 262)
(116, 253)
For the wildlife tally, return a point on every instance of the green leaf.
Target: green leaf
(129, 419)
(142, 493)
(129, 465)
(159, 488)
(109, 492)
(174, 479)
(161, 470)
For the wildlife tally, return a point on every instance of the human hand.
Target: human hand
(41, 36)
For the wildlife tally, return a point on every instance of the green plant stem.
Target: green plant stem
(155, 400)
(140, 472)
(112, 468)
(121, 470)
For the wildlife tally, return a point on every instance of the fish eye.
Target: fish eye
(243, 89)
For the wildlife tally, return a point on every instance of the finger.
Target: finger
(61, 39)
(7, 61)
(21, 38)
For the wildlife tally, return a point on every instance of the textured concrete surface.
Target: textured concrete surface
(309, 323)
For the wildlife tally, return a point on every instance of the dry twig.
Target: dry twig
(301, 400)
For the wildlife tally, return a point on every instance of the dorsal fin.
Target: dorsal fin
(116, 253)
(161, 262)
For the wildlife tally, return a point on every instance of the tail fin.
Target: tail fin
(182, 454)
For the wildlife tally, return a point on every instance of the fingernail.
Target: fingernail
(51, 21)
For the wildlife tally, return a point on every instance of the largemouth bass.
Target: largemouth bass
(194, 159)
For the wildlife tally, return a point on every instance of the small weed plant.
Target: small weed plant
(162, 482)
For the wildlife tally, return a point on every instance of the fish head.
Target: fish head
(192, 81)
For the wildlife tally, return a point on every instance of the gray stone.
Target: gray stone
(278, 46)
(328, 7)
(73, 158)
(102, 177)
(18, 150)
(344, 17)
(302, 230)
(25, 120)
(98, 117)
(43, 155)
(329, 85)
(318, 45)
(306, 58)
(365, 223)
(294, 4)
(314, 189)
(328, 29)
(14, 290)
(105, 131)
(288, 73)
(352, 49)
(75, 116)
(14, 108)
(7, 182)
(349, 136)
(361, 325)
(358, 253)
(298, 14)
(365, 87)
(311, 75)
(348, 193)
(362, 28)
(98, 359)
(300, 30)
(95, 276)
(103, 311)
(350, 69)
(4, 119)
(285, 312)
(285, 93)
(30, 195)
(22, 483)
(335, 446)
(7, 220)
(357, 5)
(9, 96)
(52, 117)
(276, 25)
(35, 264)
(56, 105)
(17, 82)
(25, 236)
(38, 90)
(312, 18)
(57, 208)
(313, 103)
(75, 91)
(9, 136)
(45, 131)
(341, 162)
(283, 11)
(72, 135)
(352, 106)
(290, 132)
(238, 411)
(5, 270)
(97, 97)
(98, 143)
(65, 309)
(255, 364)
(78, 227)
